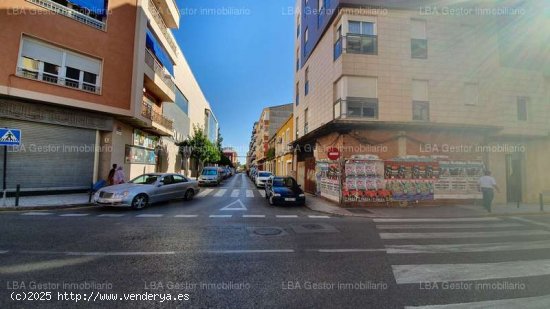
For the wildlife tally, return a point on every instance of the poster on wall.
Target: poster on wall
(138, 155)
(364, 181)
(459, 180)
(328, 176)
(411, 178)
(142, 139)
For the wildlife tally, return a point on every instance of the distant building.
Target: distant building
(231, 154)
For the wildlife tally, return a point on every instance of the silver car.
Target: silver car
(146, 189)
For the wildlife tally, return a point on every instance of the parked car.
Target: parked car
(210, 176)
(147, 189)
(261, 178)
(284, 191)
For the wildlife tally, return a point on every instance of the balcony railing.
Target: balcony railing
(163, 28)
(148, 112)
(356, 44)
(160, 71)
(356, 108)
(58, 80)
(68, 12)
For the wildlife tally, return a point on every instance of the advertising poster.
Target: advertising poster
(459, 180)
(328, 180)
(364, 181)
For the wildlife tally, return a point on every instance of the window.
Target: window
(305, 121)
(298, 25)
(181, 101)
(522, 108)
(297, 93)
(338, 43)
(297, 60)
(41, 61)
(362, 108)
(179, 179)
(421, 110)
(306, 86)
(361, 38)
(471, 93)
(419, 42)
(297, 126)
(306, 38)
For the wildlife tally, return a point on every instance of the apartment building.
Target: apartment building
(283, 152)
(398, 81)
(91, 84)
(270, 120)
(251, 154)
(232, 155)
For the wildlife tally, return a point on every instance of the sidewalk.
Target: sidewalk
(322, 205)
(45, 201)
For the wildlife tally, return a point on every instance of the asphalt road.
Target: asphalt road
(229, 249)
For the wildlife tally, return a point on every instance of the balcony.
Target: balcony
(356, 108)
(70, 13)
(153, 10)
(356, 44)
(168, 10)
(161, 82)
(58, 80)
(161, 124)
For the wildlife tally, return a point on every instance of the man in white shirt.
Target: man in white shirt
(488, 184)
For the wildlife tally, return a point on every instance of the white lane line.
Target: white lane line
(74, 215)
(446, 226)
(249, 193)
(235, 193)
(185, 216)
(37, 214)
(220, 192)
(531, 221)
(111, 215)
(350, 250)
(204, 192)
(318, 217)
(253, 216)
(512, 303)
(253, 251)
(262, 193)
(384, 220)
(462, 234)
(468, 272)
(119, 253)
(149, 216)
(221, 216)
(455, 248)
(286, 216)
(3, 251)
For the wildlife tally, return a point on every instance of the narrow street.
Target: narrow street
(252, 255)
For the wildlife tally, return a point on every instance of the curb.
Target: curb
(51, 207)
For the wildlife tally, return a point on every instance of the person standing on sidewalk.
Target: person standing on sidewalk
(110, 178)
(119, 177)
(488, 184)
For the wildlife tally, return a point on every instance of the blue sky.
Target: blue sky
(242, 58)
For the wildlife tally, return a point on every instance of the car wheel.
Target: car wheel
(189, 195)
(140, 201)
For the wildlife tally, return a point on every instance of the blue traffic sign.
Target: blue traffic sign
(10, 137)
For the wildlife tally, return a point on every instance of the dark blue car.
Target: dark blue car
(284, 191)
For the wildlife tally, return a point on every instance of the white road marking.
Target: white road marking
(350, 250)
(119, 253)
(249, 193)
(221, 216)
(185, 216)
(462, 234)
(446, 226)
(262, 193)
(468, 272)
(531, 221)
(253, 216)
(318, 217)
(74, 215)
(3, 251)
(383, 220)
(204, 192)
(286, 216)
(235, 193)
(236, 205)
(37, 214)
(149, 216)
(540, 302)
(253, 251)
(111, 215)
(483, 247)
(220, 192)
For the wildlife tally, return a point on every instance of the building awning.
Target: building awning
(97, 7)
(156, 48)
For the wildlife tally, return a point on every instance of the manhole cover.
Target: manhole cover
(359, 210)
(267, 231)
(313, 226)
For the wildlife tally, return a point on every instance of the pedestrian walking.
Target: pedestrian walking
(119, 176)
(110, 178)
(487, 185)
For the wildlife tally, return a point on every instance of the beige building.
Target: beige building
(270, 120)
(397, 81)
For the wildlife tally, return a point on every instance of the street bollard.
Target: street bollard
(541, 201)
(17, 191)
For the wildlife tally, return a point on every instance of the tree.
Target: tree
(224, 161)
(220, 140)
(199, 148)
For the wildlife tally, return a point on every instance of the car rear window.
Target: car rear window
(209, 172)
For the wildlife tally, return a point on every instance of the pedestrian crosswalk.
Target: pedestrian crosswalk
(234, 193)
(151, 215)
(488, 260)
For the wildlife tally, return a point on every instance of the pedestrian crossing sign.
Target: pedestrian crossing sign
(10, 137)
